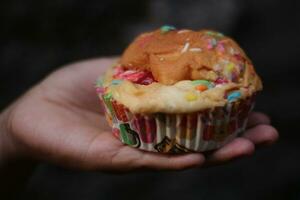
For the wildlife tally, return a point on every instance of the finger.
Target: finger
(256, 118)
(171, 162)
(129, 158)
(262, 134)
(237, 148)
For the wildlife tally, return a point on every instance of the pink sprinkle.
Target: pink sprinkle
(221, 81)
(100, 90)
(220, 47)
(209, 46)
(117, 71)
(139, 77)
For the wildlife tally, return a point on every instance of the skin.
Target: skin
(60, 121)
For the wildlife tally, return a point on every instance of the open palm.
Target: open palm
(60, 121)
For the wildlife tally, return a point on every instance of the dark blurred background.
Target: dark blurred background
(37, 37)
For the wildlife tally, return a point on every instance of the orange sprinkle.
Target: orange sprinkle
(201, 87)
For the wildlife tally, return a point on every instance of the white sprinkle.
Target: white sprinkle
(219, 85)
(231, 50)
(217, 67)
(196, 49)
(161, 59)
(183, 31)
(185, 48)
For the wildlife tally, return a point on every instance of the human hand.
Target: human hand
(60, 121)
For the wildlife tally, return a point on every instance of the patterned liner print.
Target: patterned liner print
(178, 133)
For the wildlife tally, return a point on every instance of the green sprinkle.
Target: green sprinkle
(99, 82)
(116, 82)
(229, 67)
(220, 34)
(214, 34)
(203, 82)
(108, 96)
(167, 28)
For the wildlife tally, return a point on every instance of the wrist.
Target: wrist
(15, 170)
(7, 147)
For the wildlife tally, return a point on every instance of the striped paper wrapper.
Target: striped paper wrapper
(178, 133)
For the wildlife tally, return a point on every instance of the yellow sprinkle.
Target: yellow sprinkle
(230, 66)
(190, 96)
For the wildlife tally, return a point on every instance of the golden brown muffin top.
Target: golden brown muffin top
(174, 55)
(180, 71)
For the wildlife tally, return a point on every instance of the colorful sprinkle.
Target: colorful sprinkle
(212, 43)
(220, 81)
(100, 90)
(239, 57)
(201, 88)
(191, 96)
(183, 31)
(197, 82)
(233, 96)
(185, 48)
(167, 28)
(217, 67)
(208, 84)
(195, 49)
(107, 96)
(214, 34)
(220, 47)
(231, 51)
(230, 67)
(99, 82)
(139, 77)
(230, 71)
(116, 81)
(118, 71)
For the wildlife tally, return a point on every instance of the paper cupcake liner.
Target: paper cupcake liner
(177, 133)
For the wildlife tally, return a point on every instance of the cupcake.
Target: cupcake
(175, 91)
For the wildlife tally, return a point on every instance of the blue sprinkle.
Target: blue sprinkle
(99, 82)
(234, 96)
(116, 82)
(167, 28)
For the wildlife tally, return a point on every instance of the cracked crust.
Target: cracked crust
(186, 55)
